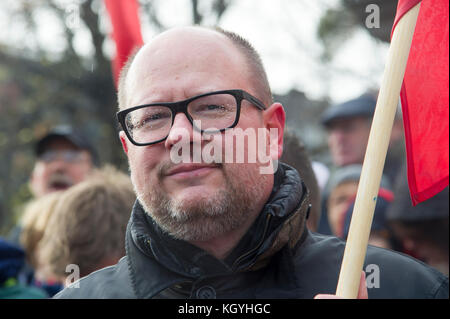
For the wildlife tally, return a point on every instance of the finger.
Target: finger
(362, 291)
(325, 296)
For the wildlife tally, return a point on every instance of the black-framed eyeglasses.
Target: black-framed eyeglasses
(216, 111)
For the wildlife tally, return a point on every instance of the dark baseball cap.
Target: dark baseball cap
(70, 134)
(361, 106)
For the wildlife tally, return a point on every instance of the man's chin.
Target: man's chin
(194, 194)
(191, 219)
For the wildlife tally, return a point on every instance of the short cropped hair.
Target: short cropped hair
(89, 224)
(121, 87)
(256, 69)
(258, 74)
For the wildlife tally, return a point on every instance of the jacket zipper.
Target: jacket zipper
(239, 259)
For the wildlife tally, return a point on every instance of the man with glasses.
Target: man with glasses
(64, 158)
(220, 229)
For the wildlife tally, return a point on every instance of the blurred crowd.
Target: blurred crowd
(420, 231)
(77, 220)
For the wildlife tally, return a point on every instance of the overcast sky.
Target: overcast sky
(283, 31)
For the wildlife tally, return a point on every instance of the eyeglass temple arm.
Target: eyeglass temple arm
(255, 101)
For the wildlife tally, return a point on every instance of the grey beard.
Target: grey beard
(206, 218)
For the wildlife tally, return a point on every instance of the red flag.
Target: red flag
(425, 99)
(126, 30)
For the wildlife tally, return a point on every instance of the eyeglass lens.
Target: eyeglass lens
(69, 156)
(153, 123)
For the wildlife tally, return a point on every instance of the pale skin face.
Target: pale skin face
(338, 203)
(60, 174)
(347, 140)
(337, 206)
(176, 65)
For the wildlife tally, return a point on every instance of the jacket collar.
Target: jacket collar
(157, 260)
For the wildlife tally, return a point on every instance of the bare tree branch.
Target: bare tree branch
(197, 17)
(70, 51)
(91, 19)
(220, 6)
(149, 8)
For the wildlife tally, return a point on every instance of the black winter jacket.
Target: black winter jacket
(277, 258)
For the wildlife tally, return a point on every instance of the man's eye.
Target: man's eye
(153, 117)
(211, 107)
(214, 107)
(152, 120)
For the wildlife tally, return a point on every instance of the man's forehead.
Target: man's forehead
(179, 41)
(182, 51)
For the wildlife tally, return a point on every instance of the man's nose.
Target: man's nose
(181, 131)
(338, 135)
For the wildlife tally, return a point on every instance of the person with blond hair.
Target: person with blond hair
(87, 229)
(34, 221)
(33, 224)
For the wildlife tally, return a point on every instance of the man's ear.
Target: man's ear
(123, 140)
(274, 121)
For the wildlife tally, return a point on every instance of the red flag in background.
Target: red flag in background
(126, 30)
(425, 99)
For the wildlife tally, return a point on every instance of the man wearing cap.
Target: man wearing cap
(348, 126)
(64, 158)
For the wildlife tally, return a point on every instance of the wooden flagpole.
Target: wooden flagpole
(380, 132)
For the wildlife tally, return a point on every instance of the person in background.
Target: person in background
(221, 229)
(341, 195)
(423, 230)
(12, 259)
(64, 157)
(12, 262)
(295, 155)
(87, 228)
(348, 126)
(34, 221)
(33, 224)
